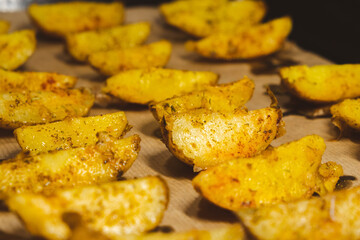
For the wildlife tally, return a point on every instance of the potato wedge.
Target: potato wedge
(334, 216)
(34, 81)
(246, 42)
(70, 133)
(4, 26)
(23, 108)
(46, 172)
(322, 83)
(16, 48)
(81, 45)
(111, 62)
(59, 19)
(156, 84)
(287, 173)
(115, 209)
(346, 113)
(223, 97)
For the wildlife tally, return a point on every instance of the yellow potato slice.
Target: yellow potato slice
(59, 19)
(289, 172)
(22, 108)
(34, 81)
(70, 133)
(346, 113)
(81, 45)
(111, 62)
(115, 209)
(245, 42)
(322, 83)
(4, 26)
(47, 172)
(16, 48)
(334, 216)
(156, 84)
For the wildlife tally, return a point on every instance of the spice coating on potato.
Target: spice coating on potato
(156, 84)
(322, 83)
(114, 209)
(81, 45)
(4, 26)
(16, 48)
(59, 19)
(287, 173)
(346, 112)
(46, 172)
(110, 62)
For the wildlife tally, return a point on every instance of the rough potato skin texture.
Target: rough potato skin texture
(22, 108)
(347, 113)
(34, 81)
(114, 209)
(111, 62)
(16, 48)
(322, 83)
(287, 173)
(44, 173)
(246, 42)
(4, 26)
(334, 216)
(59, 19)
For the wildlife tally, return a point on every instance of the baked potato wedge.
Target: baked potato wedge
(22, 107)
(44, 173)
(346, 114)
(142, 86)
(111, 62)
(81, 45)
(16, 48)
(115, 209)
(245, 42)
(334, 216)
(34, 81)
(287, 173)
(4, 26)
(60, 19)
(322, 83)
(70, 133)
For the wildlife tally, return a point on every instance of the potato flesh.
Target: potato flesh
(348, 112)
(322, 83)
(4, 26)
(110, 62)
(70, 133)
(117, 208)
(290, 172)
(22, 108)
(334, 216)
(16, 48)
(156, 84)
(81, 45)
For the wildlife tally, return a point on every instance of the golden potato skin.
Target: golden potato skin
(70, 133)
(111, 62)
(322, 83)
(334, 216)
(46, 172)
(16, 48)
(4, 26)
(114, 209)
(346, 113)
(22, 108)
(34, 81)
(59, 19)
(81, 45)
(247, 42)
(156, 84)
(287, 173)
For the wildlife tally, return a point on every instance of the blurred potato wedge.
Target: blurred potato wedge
(70, 133)
(334, 216)
(22, 107)
(33, 81)
(114, 209)
(346, 114)
(142, 86)
(111, 62)
(81, 45)
(4, 26)
(245, 42)
(16, 48)
(287, 173)
(322, 83)
(60, 19)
